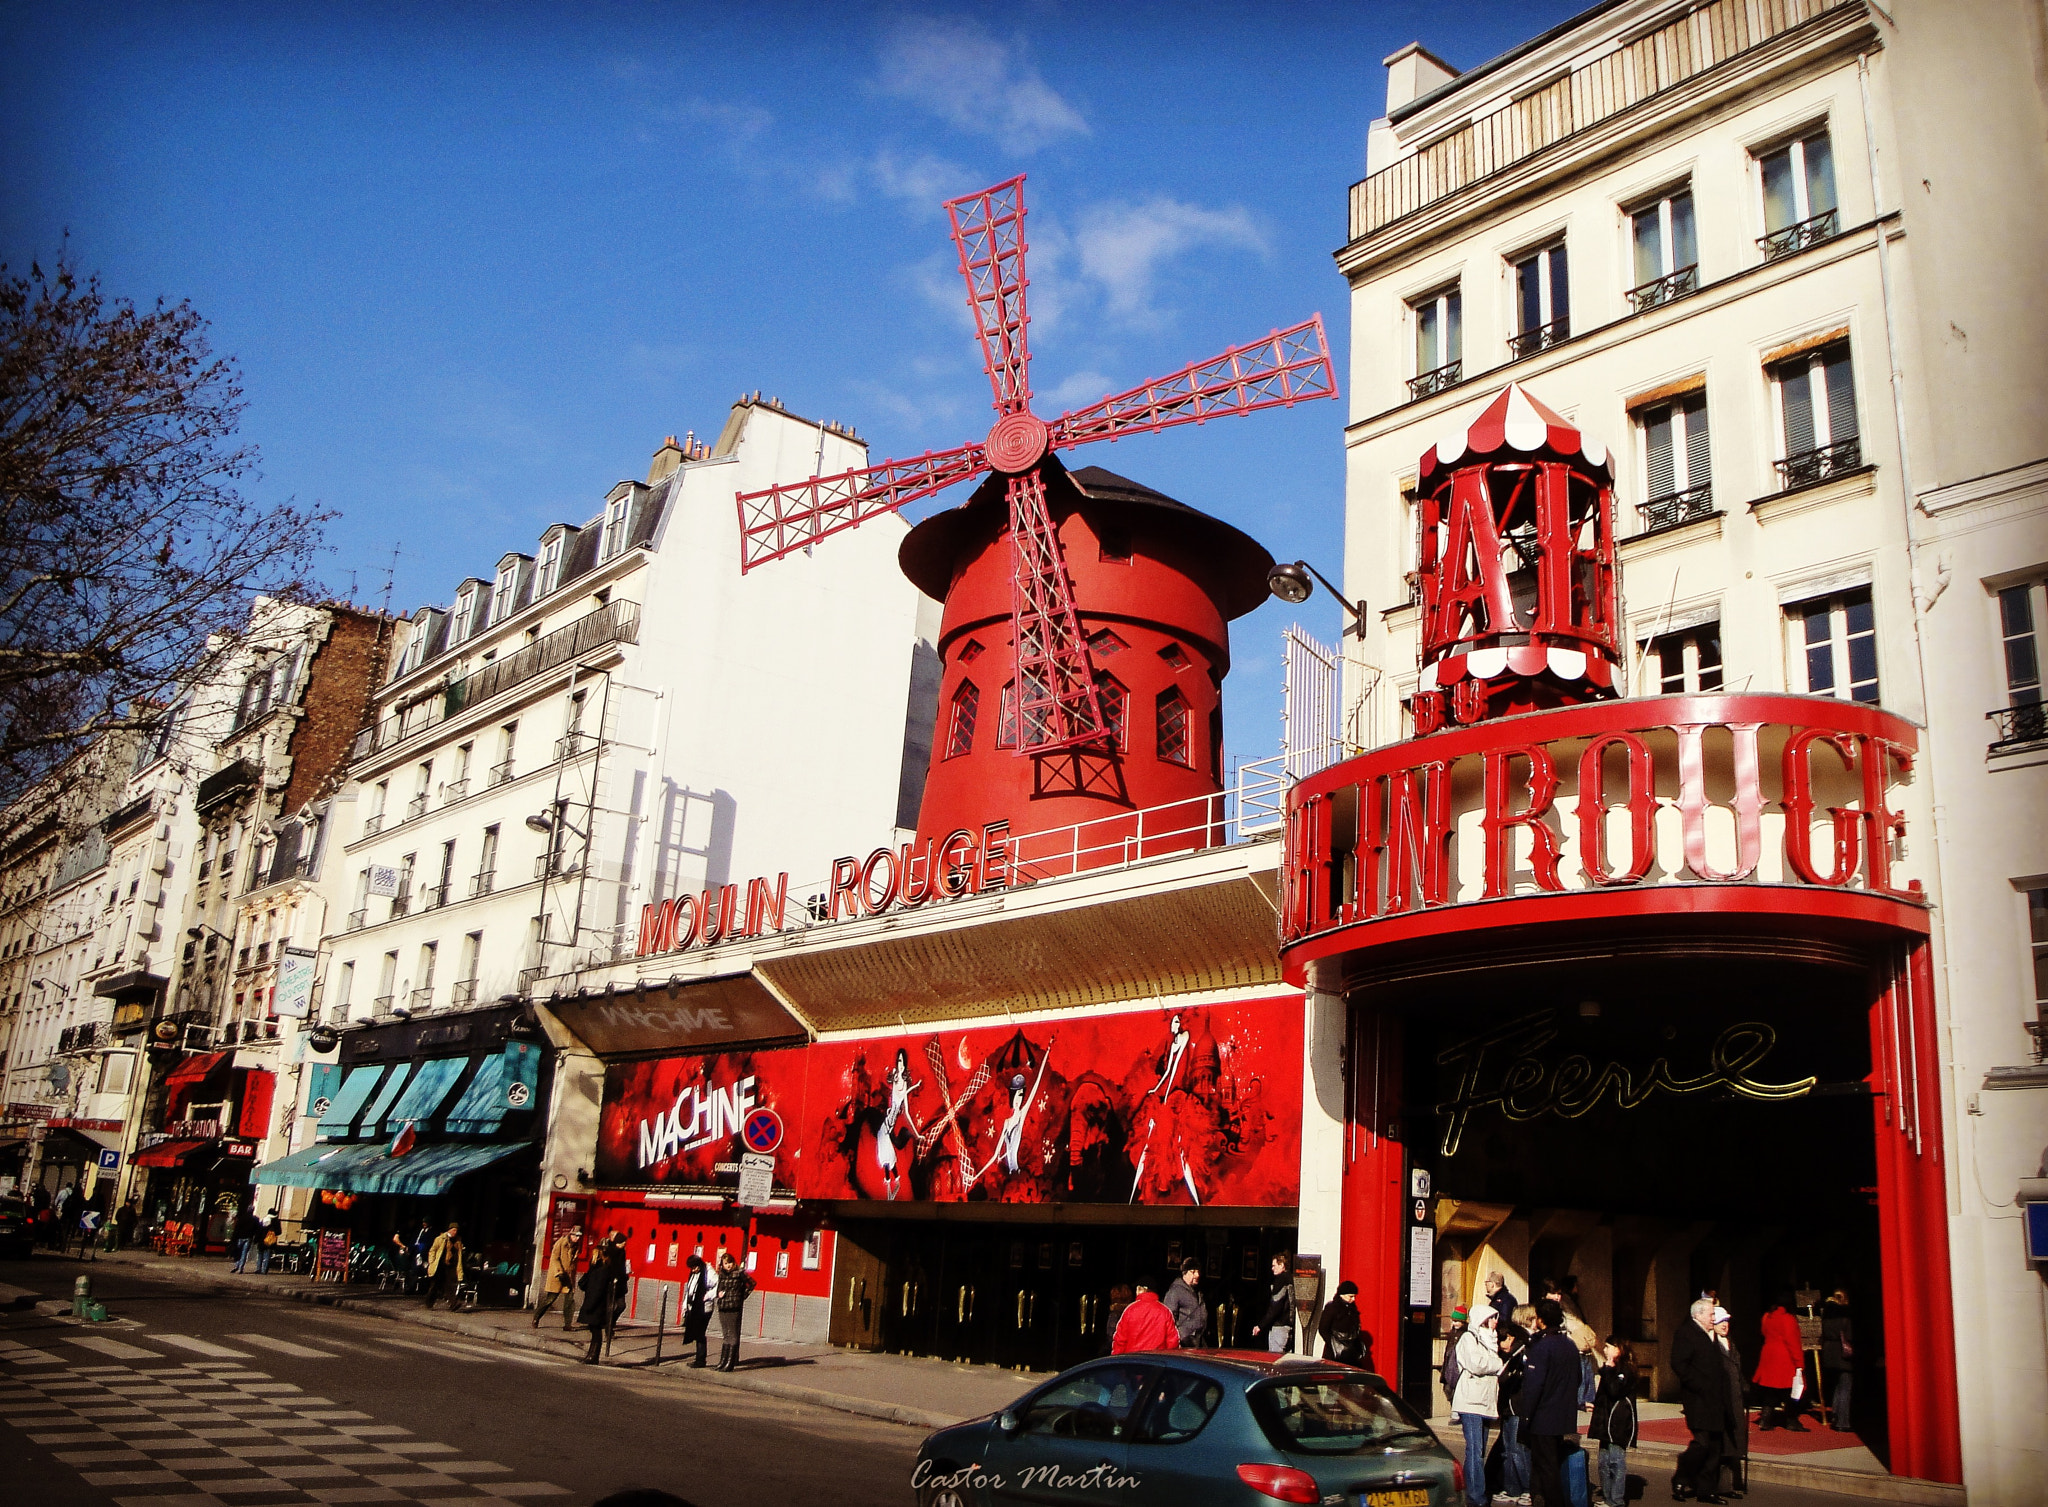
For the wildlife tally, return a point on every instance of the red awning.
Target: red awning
(193, 1070)
(171, 1153)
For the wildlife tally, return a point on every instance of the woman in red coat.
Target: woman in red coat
(1781, 1361)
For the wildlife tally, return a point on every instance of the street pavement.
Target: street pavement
(204, 1389)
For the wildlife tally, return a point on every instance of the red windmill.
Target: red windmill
(1057, 704)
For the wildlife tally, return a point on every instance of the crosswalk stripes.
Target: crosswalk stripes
(198, 1346)
(285, 1347)
(113, 1349)
(26, 1355)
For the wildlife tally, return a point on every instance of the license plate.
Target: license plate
(1412, 1496)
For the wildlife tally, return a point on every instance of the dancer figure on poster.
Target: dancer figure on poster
(1010, 1142)
(900, 1090)
(1178, 1038)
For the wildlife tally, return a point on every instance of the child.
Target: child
(1614, 1418)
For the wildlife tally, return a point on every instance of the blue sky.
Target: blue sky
(476, 260)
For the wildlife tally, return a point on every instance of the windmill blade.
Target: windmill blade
(1287, 367)
(988, 227)
(784, 519)
(1056, 702)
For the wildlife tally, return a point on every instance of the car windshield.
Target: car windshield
(1332, 1415)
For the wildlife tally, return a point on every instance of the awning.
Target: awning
(502, 1084)
(366, 1167)
(193, 1070)
(173, 1153)
(386, 1094)
(90, 1143)
(347, 1107)
(424, 1096)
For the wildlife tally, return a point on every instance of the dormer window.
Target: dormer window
(416, 647)
(465, 613)
(613, 539)
(503, 594)
(550, 563)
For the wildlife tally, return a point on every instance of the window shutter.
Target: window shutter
(1560, 288)
(1841, 395)
(1698, 463)
(1794, 384)
(1660, 480)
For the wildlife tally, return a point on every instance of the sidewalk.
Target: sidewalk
(919, 1392)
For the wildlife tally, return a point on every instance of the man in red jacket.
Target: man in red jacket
(1146, 1325)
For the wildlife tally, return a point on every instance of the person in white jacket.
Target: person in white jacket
(1475, 1399)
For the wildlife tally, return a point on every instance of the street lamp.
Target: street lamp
(1296, 582)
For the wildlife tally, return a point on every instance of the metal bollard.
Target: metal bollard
(660, 1323)
(81, 1294)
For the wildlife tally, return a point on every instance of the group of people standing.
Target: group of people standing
(1530, 1372)
(708, 1291)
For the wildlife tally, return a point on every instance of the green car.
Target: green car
(1171, 1428)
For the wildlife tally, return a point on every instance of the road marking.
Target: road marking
(470, 1353)
(113, 1349)
(198, 1346)
(24, 1355)
(284, 1347)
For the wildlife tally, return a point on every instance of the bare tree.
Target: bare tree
(128, 552)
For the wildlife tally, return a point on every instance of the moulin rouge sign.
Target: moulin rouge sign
(1611, 796)
(965, 862)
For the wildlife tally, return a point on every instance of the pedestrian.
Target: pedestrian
(1502, 1300)
(1703, 1395)
(1344, 1338)
(444, 1265)
(272, 1232)
(1550, 1390)
(733, 1287)
(1184, 1302)
(244, 1234)
(1837, 1358)
(422, 1241)
(560, 1279)
(1120, 1296)
(1277, 1321)
(1145, 1324)
(1614, 1418)
(1733, 1478)
(1781, 1368)
(606, 1276)
(700, 1294)
(1508, 1464)
(61, 1204)
(1475, 1396)
(125, 1219)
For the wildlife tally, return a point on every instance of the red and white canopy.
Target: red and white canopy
(1515, 426)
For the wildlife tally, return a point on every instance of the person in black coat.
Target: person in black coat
(604, 1293)
(699, 1289)
(1550, 1402)
(1276, 1320)
(1344, 1338)
(1837, 1358)
(1614, 1418)
(1701, 1368)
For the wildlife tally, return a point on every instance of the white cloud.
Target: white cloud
(920, 179)
(1121, 247)
(959, 71)
(1081, 387)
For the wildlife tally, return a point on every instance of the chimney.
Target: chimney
(666, 460)
(1413, 72)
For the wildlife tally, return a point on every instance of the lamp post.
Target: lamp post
(1296, 582)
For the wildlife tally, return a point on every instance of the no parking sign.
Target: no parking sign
(762, 1130)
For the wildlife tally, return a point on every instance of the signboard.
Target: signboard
(109, 1159)
(1421, 1265)
(383, 881)
(2037, 1231)
(701, 1015)
(678, 1120)
(293, 996)
(757, 1178)
(330, 1262)
(763, 1130)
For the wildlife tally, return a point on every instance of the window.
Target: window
(1666, 251)
(550, 564)
(486, 865)
(416, 646)
(1115, 702)
(2037, 937)
(1103, 643)
(465, 613)
(472, 954)
(504, 593)
(1684, 664)
(1172, 718)
(1113, 546)
(1543, 310)
(2024, 718)
(423, 983)
(344, 985)
(508, 737)
(387, 980)
(1096, 1404)
(613, 539)
(1677, 479)
(1439, 342)
(960, 732)
(1799, 195)
(1834, 646)
(1177, 1409)
(1817, 416)
(1006, 716)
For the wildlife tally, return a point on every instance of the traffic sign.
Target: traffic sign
(762, 1130)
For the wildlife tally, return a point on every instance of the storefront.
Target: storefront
(197, 1161)
(427, 1123)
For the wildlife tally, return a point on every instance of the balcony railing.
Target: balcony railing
(358, 919)
(462, 992)
(1810, 466)
(555, 865)
(422, 998)
(500, 773)
(79, 1038)
(571, 744)
(1541, 338)
(372, 825)
(613, 623)
(528, 977)
(382, 1003)
(1798, 237)
(455, 790)
(1662, 290)
(1498, 142)
(480, 884)
(416, 807)
(401, 904)
(434, 897)
(1429, 383)
(1677, 508)
(2014, 726)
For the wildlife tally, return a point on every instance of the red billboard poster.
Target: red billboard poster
(687, 1120)
(1189, 1105)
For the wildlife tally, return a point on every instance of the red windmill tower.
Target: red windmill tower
(1055, 705)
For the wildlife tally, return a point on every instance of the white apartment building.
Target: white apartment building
(1782, 259)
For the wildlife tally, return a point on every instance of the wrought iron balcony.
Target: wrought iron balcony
(2015, 726)
(1426, 383)
(571, 744)
(401, 904)
(422, 999)
(358, 919)
(1541, 338)
(500, 773)
(528, 977)
(555, 865)
(372, 825)
(434, 897)
(1678, 508)
(455, 790)
(480, 884)
(1810, 232)
(1662, 290)
(462, 992)
(416, 807)
(382, 1003)
(1810, 466)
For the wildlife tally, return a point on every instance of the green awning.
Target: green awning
(423, 1096)
(502, 1084)
(347, 1107)
(366, 1167)
(387, 1094)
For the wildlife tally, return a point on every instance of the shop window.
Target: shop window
(1172, 720)
(1439, 341)
(1543, 306)
(960, 732)
(1816, 408)
(1834, 646)
(2024, 718)
(1684, 664)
